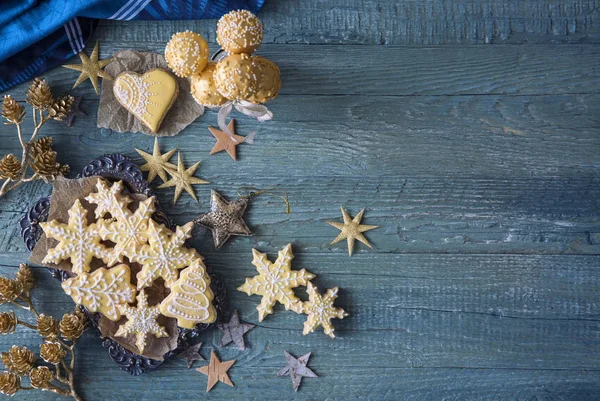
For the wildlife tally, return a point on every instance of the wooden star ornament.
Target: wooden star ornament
(224, 219)
(233, 332)
(157, 164)
(296, 368)
(191, 354)
(351, 230)
(75, 111)
(216, 371)
(91, 68)
(226, 142)
(183, 178)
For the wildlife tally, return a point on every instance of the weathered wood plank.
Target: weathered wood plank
(412, 22)
(404, 71)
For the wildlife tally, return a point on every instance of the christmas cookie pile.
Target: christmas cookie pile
(123, 253)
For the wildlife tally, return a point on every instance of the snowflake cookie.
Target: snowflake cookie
(164, 255)
(108, 199)
(103, 290)
(275, 282)
(190, 298)
(141, 321)
(320, 310)
(78, 240)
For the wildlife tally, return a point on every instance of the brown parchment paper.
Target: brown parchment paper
(64, 194)
(113, 116)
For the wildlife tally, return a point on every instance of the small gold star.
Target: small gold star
(157, 164)
(351, 230)
(91, 68)
(183, 179)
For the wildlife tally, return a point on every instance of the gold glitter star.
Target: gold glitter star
(351, 230)
(157, 164)
(91, 68)
(183, 179)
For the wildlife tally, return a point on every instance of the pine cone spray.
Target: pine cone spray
(48, 327)
(9, 290)
(18, 360)
(8, 322)
(71, 326)
(61, 107)
(52, 352)
(25, 277)
(39, 94)
(12, 111)
(41, 377)
(10, 383)
(10, 167)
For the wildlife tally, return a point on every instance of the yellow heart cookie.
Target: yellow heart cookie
(148, 97)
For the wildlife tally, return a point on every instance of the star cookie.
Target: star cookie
(164, 255)
(141, 321)
(225, 218)
(320, 310)
(102, 291)
(275, 282)
(78, 240)
(351, 230)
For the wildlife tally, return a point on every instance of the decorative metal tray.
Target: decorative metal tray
(119, 167)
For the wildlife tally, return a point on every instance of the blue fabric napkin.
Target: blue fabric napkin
(37, 35)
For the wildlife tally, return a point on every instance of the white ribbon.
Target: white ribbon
(258, 111)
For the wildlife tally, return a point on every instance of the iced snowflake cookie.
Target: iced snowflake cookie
(78, 241)
(320, 310)
(275, 282)
(103, 290)
(190, 298)
(148, 96)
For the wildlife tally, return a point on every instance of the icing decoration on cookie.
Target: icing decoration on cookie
(320, 310)
(186, 53)
(165, 254)
(103, 290)
(239, 32)
(190, 298)
(148, 97)
(78, 240)
(141, 321)
(275, 282)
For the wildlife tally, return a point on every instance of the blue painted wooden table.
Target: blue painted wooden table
(469, 130)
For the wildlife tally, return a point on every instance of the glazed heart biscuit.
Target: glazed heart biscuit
(148, 96)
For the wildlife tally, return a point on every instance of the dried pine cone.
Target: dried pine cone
(9, 290)
(18, 360)
(45, 164)
(8, 322)
(12, 110)
(9, 383)
(10, 167)
(61, 107)
(25, 277)
(40, 146)
(71, 326)
(39, 94)
(47, 327)
(41, 377)
(52, 352)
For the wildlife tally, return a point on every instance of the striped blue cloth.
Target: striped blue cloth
(37, 35)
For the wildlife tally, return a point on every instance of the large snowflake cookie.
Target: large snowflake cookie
(275, 282)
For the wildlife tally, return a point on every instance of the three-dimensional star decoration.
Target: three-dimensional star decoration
(157, 164)
(296, 368)
(216, 371)
(320, 310)
(183, 178)
(226, 142)
(191, 354)
(91, 68)
(75, 111)
(141, 321)
(225, 218)
(233, 332)
(351, 230)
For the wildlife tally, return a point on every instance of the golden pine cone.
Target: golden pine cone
(10, 167)
(8, 322)
(52, 352)
(9, 383)
(12, 110)
(40, 146)
(48, 326)
(41, 377)
(39, 94)
(18, 360)
(71, 326)
(25, 277)
(9, 290)
(61, 107)
(45, 164)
